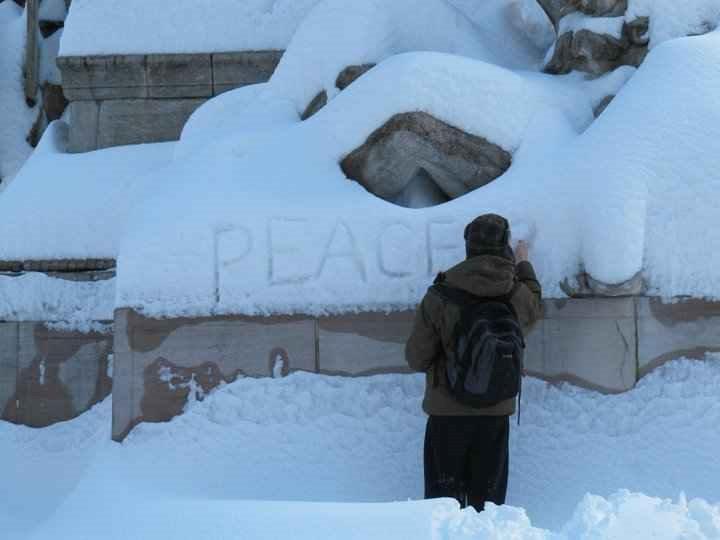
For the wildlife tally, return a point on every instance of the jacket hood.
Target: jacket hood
(485, 275)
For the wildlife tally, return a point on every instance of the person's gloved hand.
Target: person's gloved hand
(521, 251)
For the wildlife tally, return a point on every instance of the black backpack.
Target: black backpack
(484, 355)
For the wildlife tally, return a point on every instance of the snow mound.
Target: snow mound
(670, 19)
(66, 206)
(333, 445)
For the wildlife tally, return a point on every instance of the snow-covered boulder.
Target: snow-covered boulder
(415, 143)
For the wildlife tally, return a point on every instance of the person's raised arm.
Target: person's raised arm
(530, 296)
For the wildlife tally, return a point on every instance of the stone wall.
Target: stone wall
(48, 376)
(604, 344)
(131, 99)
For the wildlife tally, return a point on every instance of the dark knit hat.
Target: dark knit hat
(488, 234)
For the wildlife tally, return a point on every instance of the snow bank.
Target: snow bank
(330, 440)
(670, 19)
(74, 205)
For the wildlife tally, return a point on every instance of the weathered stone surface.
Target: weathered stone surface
(408, 143)
(317, 103)
(591, 343)
(344, 79)
(8, 368)
(83, 132)
(607, 100)
(235, 69)
(364, 344)
(103, 77)
(584, 50)
(54, 102)
(59, 374)
(158, 363)
(602, 8)
(138, 121)
(179, 75)
(669, 330)
(130, 99)
(350, 74)
(585, 286)
(557, 9)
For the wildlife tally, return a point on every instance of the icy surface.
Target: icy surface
(321, 441)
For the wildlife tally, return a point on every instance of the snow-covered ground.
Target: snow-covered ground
(309, 457)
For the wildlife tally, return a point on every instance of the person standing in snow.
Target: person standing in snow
(466, 447)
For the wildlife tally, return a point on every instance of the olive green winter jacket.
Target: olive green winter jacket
(484, 276)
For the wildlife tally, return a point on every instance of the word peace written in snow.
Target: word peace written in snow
(296, 250)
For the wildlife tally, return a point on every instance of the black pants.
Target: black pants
(466, 458)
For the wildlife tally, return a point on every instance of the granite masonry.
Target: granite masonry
(131, 99)
(605, 344)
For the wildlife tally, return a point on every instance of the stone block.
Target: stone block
(364, 344)
(8, 368)
(670, 330)
(159, 363)
(83, 135)
(60, 374)
(589, 342)
(103, 77)
(122, 122)
(179, 75)
(235, 69)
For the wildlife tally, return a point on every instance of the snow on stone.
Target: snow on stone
(611, 26)
(171, 26)
(343, 451)
(670, 19)
(74, 205)
(38, 297)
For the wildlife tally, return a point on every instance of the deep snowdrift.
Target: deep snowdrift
(333, 440)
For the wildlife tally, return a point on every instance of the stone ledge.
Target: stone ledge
(163, 76)
(57, 265)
